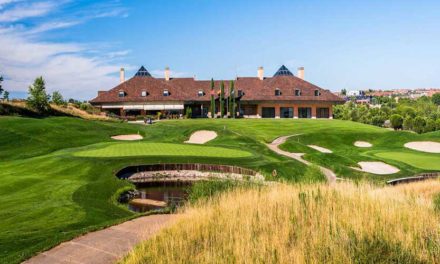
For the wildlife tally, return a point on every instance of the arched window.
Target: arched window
(277, 92)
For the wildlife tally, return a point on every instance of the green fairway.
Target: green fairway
(57, 174)
(161, 149)
(418, 160)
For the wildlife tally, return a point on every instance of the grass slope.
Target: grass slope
(52, 192)
(345, 223)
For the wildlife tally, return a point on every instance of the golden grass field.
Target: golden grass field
(342, 223)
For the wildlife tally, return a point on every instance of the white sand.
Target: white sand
(363, 144)
(201, 137)
(376, 167)
(425, 146)
(128, 137)
(320, 149)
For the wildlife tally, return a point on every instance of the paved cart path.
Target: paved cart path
(104, 246)
(274, 146)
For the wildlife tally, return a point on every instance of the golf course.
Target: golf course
(58, 173)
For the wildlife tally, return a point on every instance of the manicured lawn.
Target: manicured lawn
(161, 149)
(57, 174)
(418, 160)
(346, 155)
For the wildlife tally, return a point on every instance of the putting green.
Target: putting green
(161, 149)
(418, 160)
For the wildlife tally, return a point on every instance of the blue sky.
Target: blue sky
(79, 46)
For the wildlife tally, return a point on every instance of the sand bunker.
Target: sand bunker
(127, 137)
(201, 137)
(320, 149)
(376, 167)
(425, 146)
(363, 144)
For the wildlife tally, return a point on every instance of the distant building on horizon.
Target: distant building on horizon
(281, 96)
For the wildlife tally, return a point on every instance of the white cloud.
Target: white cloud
(77, 70)
(22, 11)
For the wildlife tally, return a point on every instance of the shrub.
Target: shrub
(419, 124)
(396, 121)
(408, 123)
(436, 98)
(429, 126)
(437, 124)
(57, 98)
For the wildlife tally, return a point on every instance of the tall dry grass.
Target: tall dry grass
(344, 223)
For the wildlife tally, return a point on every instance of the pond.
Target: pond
(158, 195)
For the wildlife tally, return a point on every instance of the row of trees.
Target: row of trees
(421, 115)
(231, 105)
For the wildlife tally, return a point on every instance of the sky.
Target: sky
(79, 46)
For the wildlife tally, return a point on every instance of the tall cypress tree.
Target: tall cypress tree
(222, 96)
(231, 94)
(212, 99)
(232, 99)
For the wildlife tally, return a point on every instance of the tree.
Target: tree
(6, 96)
(212, 99)
(232, 99)
(437, 124)
(57, 98)
(234, 105)
(419, 124)
(396, 121)
(188, 112)
(436, 98)
(38, 98)
(222, 96)
(344, 91)
(1, 87)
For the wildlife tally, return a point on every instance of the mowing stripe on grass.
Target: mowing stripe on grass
(162, 149)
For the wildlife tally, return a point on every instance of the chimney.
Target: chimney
(301, 73)
(261, 73)
(122, 75)
(167, 73)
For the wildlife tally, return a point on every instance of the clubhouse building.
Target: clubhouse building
(282, 96)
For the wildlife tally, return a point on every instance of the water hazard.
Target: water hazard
(158, 195)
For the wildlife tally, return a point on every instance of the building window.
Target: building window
(144, 93)
(121, 94)
(297, 92)
(240, 93)
(166, 93)
(317, 93)
(277, 92)
(200, 93)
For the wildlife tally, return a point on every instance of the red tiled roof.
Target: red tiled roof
(186, 89)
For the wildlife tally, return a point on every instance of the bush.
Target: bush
(419, 124)
(396, 121)
(429, 126)
(436, 99)
(408, 123)
(57, 98)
